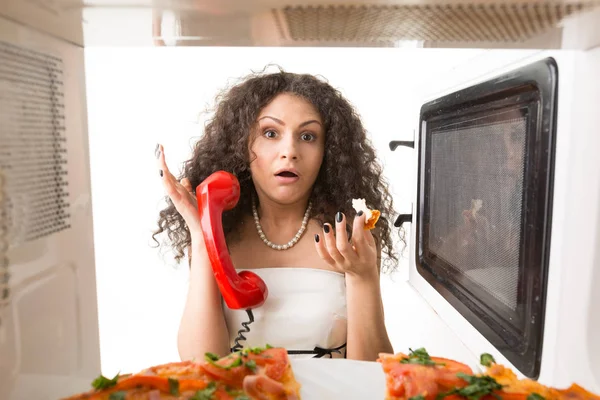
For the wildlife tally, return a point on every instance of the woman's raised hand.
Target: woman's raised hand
(358, 257)
(181, 194)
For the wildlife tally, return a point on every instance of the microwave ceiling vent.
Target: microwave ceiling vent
(438, 22)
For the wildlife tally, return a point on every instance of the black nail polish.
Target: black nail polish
(338, 217)
(317, 238)
(161, 172)
(360, 213)
(326, 228)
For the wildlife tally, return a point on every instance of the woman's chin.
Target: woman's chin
(286, 197)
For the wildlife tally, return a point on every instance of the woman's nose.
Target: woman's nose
(289, 148)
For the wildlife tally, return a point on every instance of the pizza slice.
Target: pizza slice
(261, 373)
(417, 376)
(250, 374)
(371, 216)
(514, 388)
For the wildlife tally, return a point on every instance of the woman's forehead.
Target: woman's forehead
(287, 106)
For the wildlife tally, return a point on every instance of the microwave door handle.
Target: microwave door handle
(394, 144)
(402, 219)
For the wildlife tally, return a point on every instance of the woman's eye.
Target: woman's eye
(308, 137)
(270, 134)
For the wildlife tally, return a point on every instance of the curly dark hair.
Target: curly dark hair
(349, 170)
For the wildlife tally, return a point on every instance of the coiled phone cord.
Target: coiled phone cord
(241, 332)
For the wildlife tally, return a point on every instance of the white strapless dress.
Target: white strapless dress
(305, 313)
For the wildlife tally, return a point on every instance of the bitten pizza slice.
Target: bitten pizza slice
(371, 216)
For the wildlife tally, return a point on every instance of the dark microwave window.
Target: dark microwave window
(475, 203)
(486, 159)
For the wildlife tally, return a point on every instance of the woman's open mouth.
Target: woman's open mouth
(286, 176)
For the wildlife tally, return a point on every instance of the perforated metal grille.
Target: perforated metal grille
(493, 21)
(476, 203)
(4, 274)
(33, 144)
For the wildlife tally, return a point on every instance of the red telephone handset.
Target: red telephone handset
(217, 193)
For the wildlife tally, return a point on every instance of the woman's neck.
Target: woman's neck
(281, 216)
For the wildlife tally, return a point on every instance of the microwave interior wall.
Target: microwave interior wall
(47, 242)
(67, 278)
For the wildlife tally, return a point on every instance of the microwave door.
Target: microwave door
(486, 156)
(49, 341)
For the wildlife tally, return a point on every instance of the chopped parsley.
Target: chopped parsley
(487, 360)
(478, 387)
(206, 393)
(256, 350)
(251, 365)
(174, 387)
(418, 397)
(102, 382)
(419, 356)
(236, 363)
(238, 357)
(235, 393)
(535, 396)
(117, 395)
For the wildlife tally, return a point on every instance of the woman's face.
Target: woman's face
(287, 148)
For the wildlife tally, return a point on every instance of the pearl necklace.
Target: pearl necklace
(289, 244)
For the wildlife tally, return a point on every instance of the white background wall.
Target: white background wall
(138, 97)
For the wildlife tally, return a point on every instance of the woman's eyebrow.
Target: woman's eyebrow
(280, 122)
(310, 122)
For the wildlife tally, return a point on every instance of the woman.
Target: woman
(301, 155)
